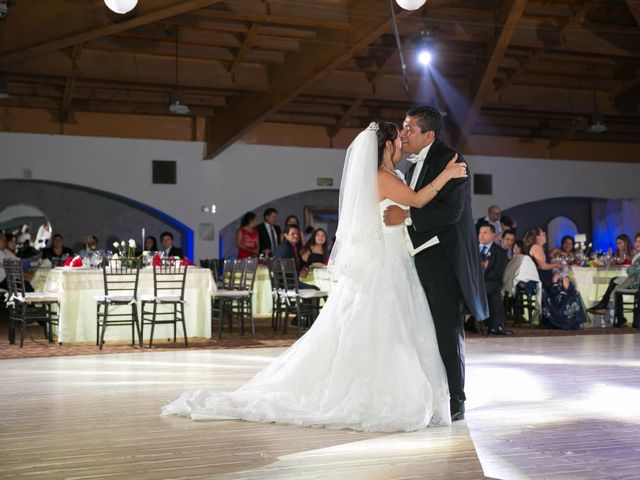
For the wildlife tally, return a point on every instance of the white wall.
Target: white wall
(522, 180)
(245, 176)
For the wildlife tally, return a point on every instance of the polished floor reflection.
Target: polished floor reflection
(562, 407)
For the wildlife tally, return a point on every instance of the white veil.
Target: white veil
(359, 241)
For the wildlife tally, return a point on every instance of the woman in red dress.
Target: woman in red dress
(247, 236)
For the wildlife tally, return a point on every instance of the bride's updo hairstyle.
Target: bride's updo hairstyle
(386, 131)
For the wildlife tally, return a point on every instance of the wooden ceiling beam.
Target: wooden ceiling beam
(65, 104)
(577, 124)
(301, 69)
(246, 45)
(577, 17)
(273, 19)
(514, 10)
(634, 6)
(346, 117)
(48, 33)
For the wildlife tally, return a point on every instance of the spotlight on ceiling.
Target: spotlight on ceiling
(424, 57)
(425, 46)
(121, 6)
(411, 4)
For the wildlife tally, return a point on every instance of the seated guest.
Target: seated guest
(630, 282)
(269, 232)
(518, 248)
(624, 253)
(521, 270)
(150, 244)
(292, 220)
(247, 237)
(566, 250)
(507, 241)
(8, 247)
(494, 261)
(166, 240)
(493, 217)
(90, 248)
(3, 254)
(562, 306)
(57, 251)
(315, 250)
(289, 249)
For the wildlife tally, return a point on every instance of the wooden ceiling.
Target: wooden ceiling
(523, 68)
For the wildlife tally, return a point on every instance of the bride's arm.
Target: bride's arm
(391, 187)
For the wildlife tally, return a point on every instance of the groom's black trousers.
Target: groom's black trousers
(445, 299)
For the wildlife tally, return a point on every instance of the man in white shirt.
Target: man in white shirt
(493, 217)
(269, 232)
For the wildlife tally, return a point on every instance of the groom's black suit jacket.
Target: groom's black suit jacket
(449, 217)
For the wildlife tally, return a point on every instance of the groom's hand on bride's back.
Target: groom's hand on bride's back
(394, 215)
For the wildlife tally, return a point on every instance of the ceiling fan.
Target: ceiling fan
(176, 107)
(597, 125)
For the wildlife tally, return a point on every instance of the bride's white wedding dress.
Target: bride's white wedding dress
(370, 362)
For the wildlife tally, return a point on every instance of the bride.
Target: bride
(370, 362)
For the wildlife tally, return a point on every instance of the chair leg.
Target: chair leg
(184, 325)
(104, 325)
(142, 324)
(299, 315)
(175, 322)
(253, 327)
(153, 323)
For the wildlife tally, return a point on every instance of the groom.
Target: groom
(446, 244)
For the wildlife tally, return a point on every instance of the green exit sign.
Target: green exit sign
(325, 182)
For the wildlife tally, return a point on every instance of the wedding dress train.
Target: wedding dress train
(370, 362)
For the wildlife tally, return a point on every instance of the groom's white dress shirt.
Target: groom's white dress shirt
(418, 160)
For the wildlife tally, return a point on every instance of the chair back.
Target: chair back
(237, 280)
(290, 274)
(15, 277)
(121, 276)
(276, 275)
(170, 276)
(228, 274)
(249, 273)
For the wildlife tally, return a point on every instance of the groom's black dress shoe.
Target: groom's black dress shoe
(499, 331)
(457, 416)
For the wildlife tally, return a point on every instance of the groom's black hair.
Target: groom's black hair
(428, 118)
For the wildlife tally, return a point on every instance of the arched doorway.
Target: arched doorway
(559, 227)
(29, 224)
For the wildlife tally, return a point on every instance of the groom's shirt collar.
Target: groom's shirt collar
(421, 156)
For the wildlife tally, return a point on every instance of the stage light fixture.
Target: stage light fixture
(121, 6)
(425, 46)
(411, 4)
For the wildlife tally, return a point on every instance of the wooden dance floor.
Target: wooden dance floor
(538, 408)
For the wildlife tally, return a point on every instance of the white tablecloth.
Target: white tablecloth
(262, 298)
(78, 288)
(593, 282)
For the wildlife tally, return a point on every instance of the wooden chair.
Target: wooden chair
(525, 300)
(305, 303)
(25, 307)
(169, 279)
(631, 306)
(121, 277)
